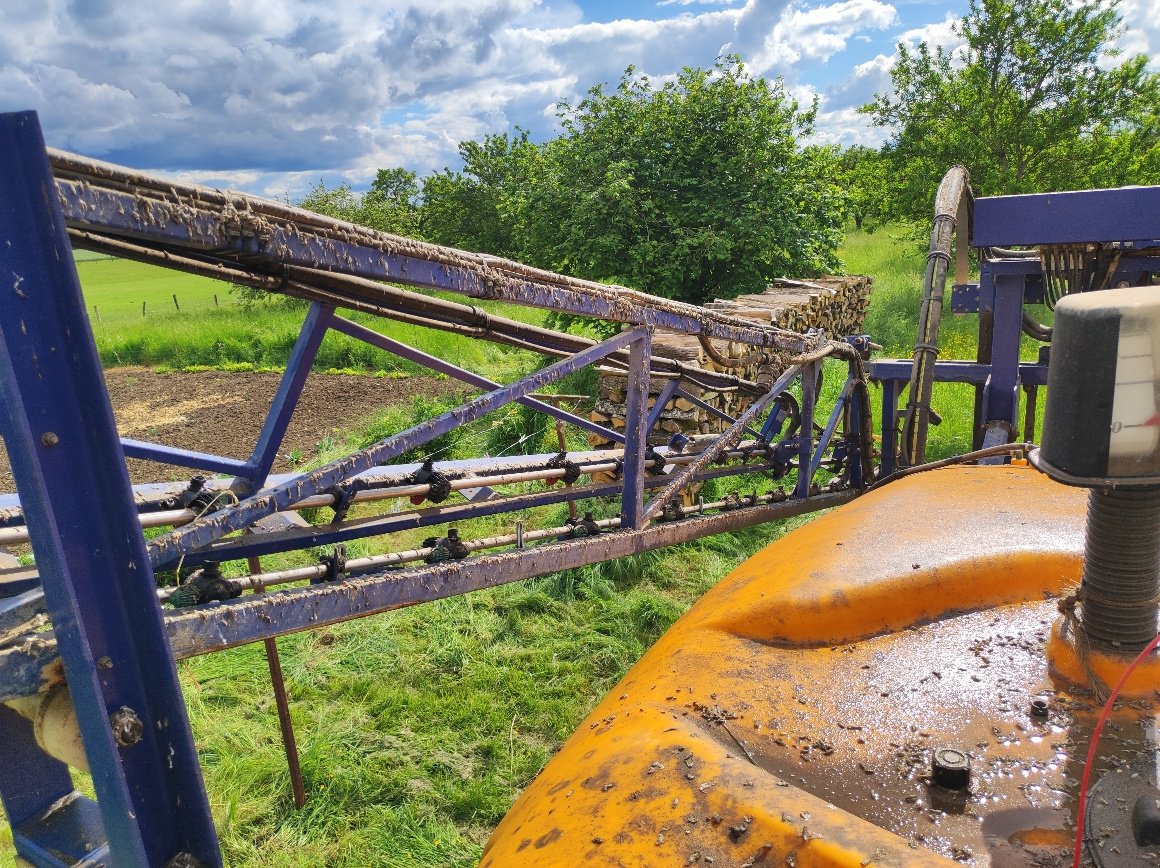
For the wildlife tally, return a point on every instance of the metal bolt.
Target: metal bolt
(49, 438)
(1039, 708)
(951, 768)
(105, 663)
(127, 727)
(184, 860)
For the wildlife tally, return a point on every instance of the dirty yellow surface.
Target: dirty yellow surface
(789, 717)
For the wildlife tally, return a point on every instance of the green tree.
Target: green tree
(1030, 104)
(692, 190)
(390, 205)
(862, 172)
(476, 208)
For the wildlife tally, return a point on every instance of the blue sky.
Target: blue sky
(270, 96)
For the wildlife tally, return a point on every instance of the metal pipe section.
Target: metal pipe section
(110, 199)
(1121, 571)
(18, 535)
(951, 217)
(202, 531)
(261, 581)
(392, 302)
(686, 476)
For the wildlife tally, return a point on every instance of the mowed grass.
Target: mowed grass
(212, 328)
(418, 728)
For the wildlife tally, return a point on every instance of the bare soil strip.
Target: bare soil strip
(222, 413)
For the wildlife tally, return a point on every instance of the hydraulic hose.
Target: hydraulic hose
(861, 394)
(1036, 330)
(952, 210)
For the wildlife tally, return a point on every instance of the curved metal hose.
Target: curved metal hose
(725, 361)
(952, 209)
(1036, 330)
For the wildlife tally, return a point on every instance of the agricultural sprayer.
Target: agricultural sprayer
(909, 679)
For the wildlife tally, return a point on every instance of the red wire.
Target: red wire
(1091, 754)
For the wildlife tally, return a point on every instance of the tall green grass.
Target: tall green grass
(418, 728)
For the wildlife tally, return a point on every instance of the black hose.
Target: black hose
(1035, 329)
(953, 205)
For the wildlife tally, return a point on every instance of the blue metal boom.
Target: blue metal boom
(112, 644)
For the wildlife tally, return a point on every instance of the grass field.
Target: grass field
(209, 327)
(418, 728)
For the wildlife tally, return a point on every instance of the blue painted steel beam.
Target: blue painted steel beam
(256, 545)
(166, 550)
(831, 425)
(249, 618)
(61, 438)
(318, 320)
(687, 475)
(713, 411)
(1030, 373)
(167, 222)
(257, 467)
(183, 457)
(636, 431)
(810, 375)
(375, 339)
(52, 825)
(666, 393)
(1128, 214)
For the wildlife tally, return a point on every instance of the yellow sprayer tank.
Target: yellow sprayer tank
(810, 708)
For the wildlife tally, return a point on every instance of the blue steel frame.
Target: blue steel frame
(109, 634)
(93, 565)
(1129, 217)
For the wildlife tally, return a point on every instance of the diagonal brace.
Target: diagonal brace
(730, 436)
(167, 549)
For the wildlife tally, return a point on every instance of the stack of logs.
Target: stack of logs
(836, 305)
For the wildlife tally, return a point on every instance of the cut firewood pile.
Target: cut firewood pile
(834, 304)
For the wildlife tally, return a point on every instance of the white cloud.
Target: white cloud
(262, 93)
(696, 2)
(1141, 30)
(939, 33)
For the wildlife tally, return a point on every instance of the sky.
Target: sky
(271, 96)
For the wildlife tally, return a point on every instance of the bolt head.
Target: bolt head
(49, 438)
(950, 768)
(128, 729)
(1040, 708)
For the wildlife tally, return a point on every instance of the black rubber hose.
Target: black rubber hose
(1036, 330)
(953, 201)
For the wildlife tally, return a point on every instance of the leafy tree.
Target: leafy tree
(390, 205)
(692, 190)
(1029, 105)
(474, 208)
(863, 172)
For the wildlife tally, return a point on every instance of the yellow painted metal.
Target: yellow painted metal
(790, 713)
(54, 723)
(1067, 666)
